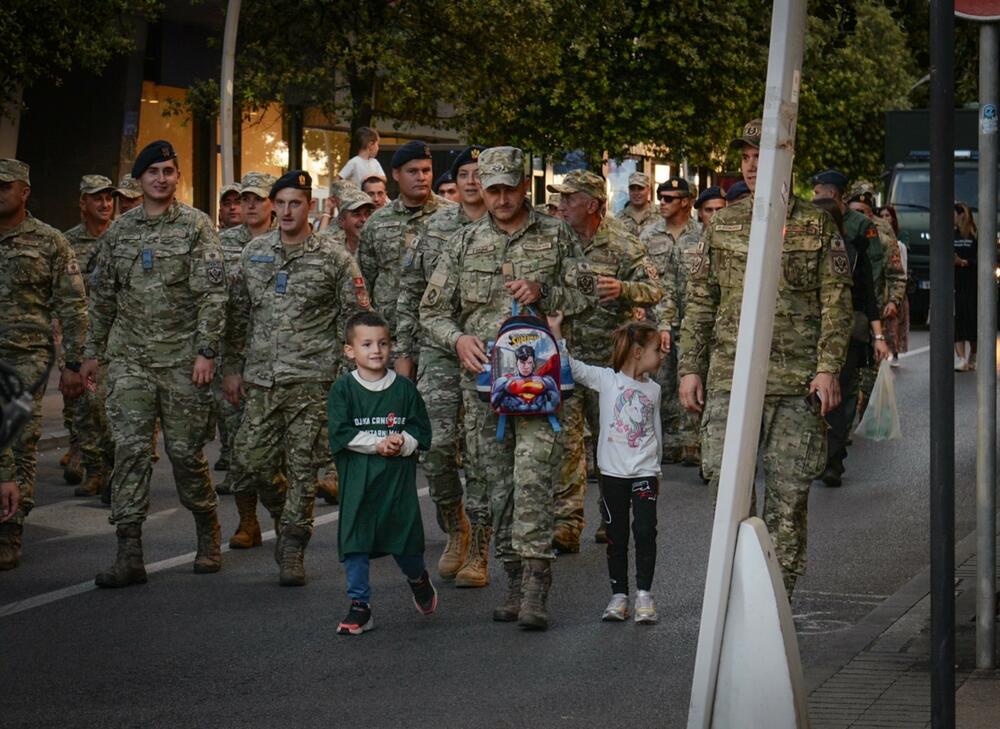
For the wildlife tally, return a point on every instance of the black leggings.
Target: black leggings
(617, 495)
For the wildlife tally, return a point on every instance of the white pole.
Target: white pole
(226, 85)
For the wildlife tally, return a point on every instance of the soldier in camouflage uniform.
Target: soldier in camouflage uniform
(511, 253)
(292, 294)
(626, 278)
(812, 323)
(338, 190)
(157, 306)
(39, 281)
(230, 211)
(391, 232)
(466, 555)
(89, 420)
(639, 213)
(128, 194)
(672, 241)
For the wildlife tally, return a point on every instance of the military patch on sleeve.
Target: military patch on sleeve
(650, 269)
(72, 268)
(361, 292)
(438, 278)
(213, 268)
(586, 282)
(431, 295)
(697, 263)
(839, 263)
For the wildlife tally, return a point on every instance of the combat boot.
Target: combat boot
(329, 486)
(128, 568)
(455, 524)
(10, 545)
(66, 456)
(73, 470)
(566, 539)
(508, 611)
(691, 456)
(248, 532)
(291, 563)
(476, 570)
(94, 483)
(209, 555)
(535, 581)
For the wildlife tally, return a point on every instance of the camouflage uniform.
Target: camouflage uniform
(614, 252)
(287, 313)
(635, 223)
(157, 298)
(673, 259)
(812, 324)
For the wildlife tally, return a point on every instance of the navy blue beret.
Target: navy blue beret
(467, 156)
(409, 152)
(159, 151)
(674, 184)
(831, 177)
(709, 193)
(295, 179)
(444, 179)
(737, 190)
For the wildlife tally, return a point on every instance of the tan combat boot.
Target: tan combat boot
(455, 524)
(128, 568)
(329, 486)
(248, 532)
(73, 470)
(508, 611)
(94, 483)
(292, 544)
(566, 539)
(10, 545)
(65, 457)
(476, 570)
(208, 558)
(536, 581)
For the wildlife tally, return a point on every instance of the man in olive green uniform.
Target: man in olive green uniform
(513, 253)
(230, 212)
(128, 194)
(626, 278)
(157, 306)
(391, 232)
(39, 281)
(292, 294)
(812, 323)
(466, 555)
(639, 213)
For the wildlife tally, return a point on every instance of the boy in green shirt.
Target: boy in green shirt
(377, 421)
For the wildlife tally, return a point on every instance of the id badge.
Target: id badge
(147, 259)
(507, 269)
(281, 282)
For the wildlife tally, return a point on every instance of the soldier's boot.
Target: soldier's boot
(73, 470)
(455, 524)
(476, 570)
(248, 532)
(329, 487)
(128, 568)
(535, 584)
(691, 455)
(208, 558)
(508, 610)
(10, 545)
(566, 539)
(292, 570)
(96, 478)
(65, 457)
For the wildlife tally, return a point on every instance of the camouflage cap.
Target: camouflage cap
(339, 188)
(355, 199)
(581, 181)
(12, 169)
(554, 199)
(129, 187)
(231, 187)
(89, 184)
(638, 178)
(861, 187)
(501, 166)
(750, 136)
(259, 183)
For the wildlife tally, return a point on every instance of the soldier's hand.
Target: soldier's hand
(692, 393)
(405, 368)
(882, 351)
(10, 496)
(203, 371)
(890, 311)
(665, 342)
(232, 389)
(608, 289)
(88, 372)
(555, 320)
(828, 388)
(70, 384)
(525, 292)
(471, 353)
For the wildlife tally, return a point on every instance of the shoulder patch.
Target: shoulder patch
(73, 268)
(650, 269)
(438, 279)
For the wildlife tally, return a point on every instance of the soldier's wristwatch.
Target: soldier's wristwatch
(544, 291)
(207, 352)
(879, 337)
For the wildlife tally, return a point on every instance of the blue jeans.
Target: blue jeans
(356, 567)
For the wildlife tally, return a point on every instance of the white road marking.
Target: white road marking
(915, 352)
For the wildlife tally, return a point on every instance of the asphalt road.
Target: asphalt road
(236, 650)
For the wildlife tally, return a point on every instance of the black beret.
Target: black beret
(831, 177)
(737, 190)
(467, 156)
(295, 179)
(442, 180)
(159, 151)
(674, 184)
(409, 152)
(709, 193)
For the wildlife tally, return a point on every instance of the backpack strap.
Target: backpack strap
(515, 309)
(554, 422)
(501, 427)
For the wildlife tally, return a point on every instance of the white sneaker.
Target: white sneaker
(960, 364)
(894, 362)
(645, 608)
(617, 609)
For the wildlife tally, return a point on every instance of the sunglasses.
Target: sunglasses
(671, 198)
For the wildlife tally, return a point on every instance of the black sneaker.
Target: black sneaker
(425, 597)
(358, 620)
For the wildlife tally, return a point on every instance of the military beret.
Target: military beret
(466, 156)
(831, 177)
(231, 187)
(444, 179)
(638, 178)
(501, 166)
(738, 190)
(153, 153)
(750, 135)
(258, 183)
(709, 193)
(129, 187)
(12, 169)
(90, 184)
(409, 152)
(581, 181)
(294, 179)
(674, 184)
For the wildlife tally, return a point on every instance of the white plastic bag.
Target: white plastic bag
(881, 418)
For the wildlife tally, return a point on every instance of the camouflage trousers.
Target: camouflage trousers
(680, 428)
(137, 396)
(92, 427)
(283, 428)
(520, 472)
(25, 446)
(578, 412)
(793, 445)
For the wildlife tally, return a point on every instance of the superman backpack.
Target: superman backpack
(527, 373)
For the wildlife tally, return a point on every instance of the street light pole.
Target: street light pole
(226, 85)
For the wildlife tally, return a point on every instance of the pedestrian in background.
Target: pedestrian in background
(899, 328)
(966, 288)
